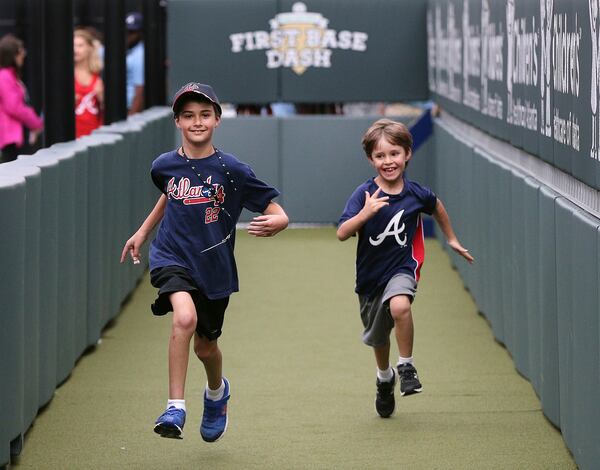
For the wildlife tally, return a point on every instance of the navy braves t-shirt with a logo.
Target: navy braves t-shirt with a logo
(392, 241)
(197, 231)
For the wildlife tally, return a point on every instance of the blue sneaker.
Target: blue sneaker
(214, 419)
(170, 423)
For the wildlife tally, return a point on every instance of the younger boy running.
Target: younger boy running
(192, 256)
(385, 212)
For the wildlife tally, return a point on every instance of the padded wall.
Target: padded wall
(12, 339)
(535, 279)
(67, 210)
(547, 249)
(315, 161)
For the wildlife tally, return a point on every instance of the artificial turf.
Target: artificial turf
(302, 382)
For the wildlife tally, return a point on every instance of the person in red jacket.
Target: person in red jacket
(89, 88)
(15, 114)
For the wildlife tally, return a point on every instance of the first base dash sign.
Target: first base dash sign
(299, 39)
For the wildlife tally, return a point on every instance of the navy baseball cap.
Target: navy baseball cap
(199, 88)
(134, 21)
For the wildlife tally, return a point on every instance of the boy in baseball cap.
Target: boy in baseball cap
(192, 259)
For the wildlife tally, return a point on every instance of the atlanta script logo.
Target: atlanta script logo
(393, 229)
(299, 39)
(188, 194)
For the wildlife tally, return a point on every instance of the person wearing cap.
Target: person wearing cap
(135, 63)
(192, 259)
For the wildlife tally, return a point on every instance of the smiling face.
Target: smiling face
(197, 121)
(389, 160)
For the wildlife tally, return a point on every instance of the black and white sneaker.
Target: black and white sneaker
(384, 401)
(409, 380)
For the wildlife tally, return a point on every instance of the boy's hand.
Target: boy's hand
(461, 250)
(373, 203)
(267, 225)
(132, 246)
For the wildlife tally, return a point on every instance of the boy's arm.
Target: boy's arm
(371, 207)
(134, 244)
(273, 221)
(443, 220)
(349, 227)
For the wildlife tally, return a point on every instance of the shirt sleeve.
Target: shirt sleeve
(427, 198)
(137, 70)
(354, 205)
(256, 193)
(158, 179)
(11, 97)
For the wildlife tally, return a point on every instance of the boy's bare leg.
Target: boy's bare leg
(403, 321)
(404, 330)
(210, 355)
(382, 356)
(183, 328)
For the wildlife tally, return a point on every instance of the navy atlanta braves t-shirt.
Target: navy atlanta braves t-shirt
(392, 241)
(197, 231)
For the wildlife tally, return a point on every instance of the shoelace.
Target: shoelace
(408, 373)
(173, 412)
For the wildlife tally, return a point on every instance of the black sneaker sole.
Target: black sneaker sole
(168, 431)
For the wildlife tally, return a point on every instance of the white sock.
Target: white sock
(405, 360)
(217, 394)
(385, 375)
(180, 404)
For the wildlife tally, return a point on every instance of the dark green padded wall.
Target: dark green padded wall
(536, 279)
(67, 211)
(12, 338)
(316, 162)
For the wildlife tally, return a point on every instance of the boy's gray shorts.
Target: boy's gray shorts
(375, 311)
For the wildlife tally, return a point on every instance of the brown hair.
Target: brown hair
(395, 132)
(10, 46)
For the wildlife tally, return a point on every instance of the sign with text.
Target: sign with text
(525, 71)
(302, 51)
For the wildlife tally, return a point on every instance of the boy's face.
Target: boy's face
(389, 160)
(197, 122)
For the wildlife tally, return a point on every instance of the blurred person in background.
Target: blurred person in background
(16, 116)
(135, 63)
(89, 87)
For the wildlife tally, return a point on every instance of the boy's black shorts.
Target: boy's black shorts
(210, 313)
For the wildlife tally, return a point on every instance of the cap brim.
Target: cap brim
(196, 92)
